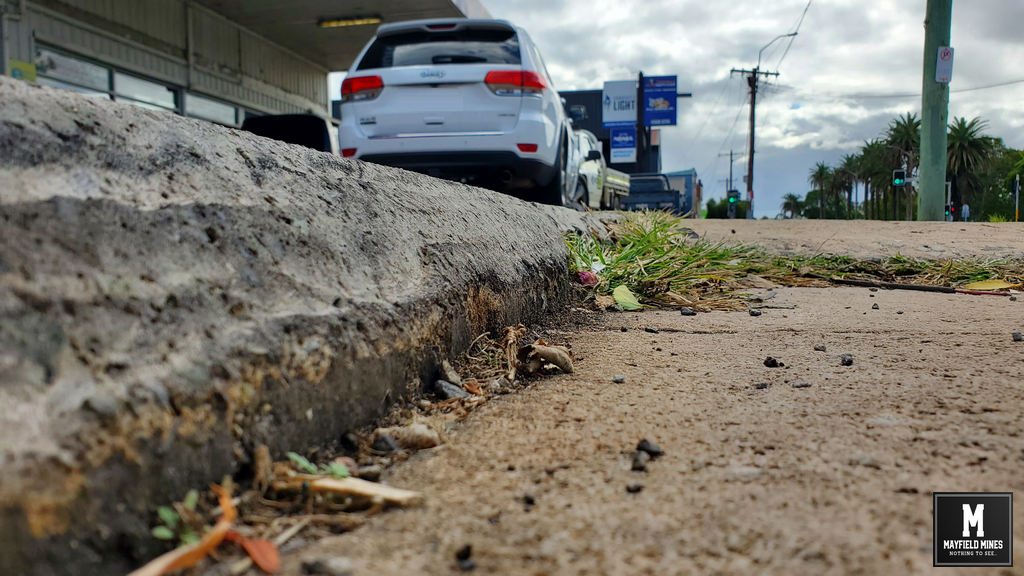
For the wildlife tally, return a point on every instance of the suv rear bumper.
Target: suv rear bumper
(499, 170)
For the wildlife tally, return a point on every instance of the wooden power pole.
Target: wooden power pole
(752, 81)
(934, 111)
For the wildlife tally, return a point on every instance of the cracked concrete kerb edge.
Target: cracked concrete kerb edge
(174, 293)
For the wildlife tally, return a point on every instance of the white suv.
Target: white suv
(467, 100)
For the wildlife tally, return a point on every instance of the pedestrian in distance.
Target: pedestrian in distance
(966, 211)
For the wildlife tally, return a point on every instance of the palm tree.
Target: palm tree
(821, 179)
(846, 178)
(904, 141)
(791, 204)
(873, 172)
(968, 154)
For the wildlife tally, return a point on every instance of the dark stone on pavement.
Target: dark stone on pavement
(899, 311)
(467, 565)
(619, 379)
(819, 348)
(649, 447)
(801, 385)
(687, 311)
(464, 553)
(446, 390)
(755, 312)
(624, 329)
(771, 362)
(846, 359)
(761, 385)
(634, 487)
(874, 306)
(1018, 337)
(329, 567)
(873, 289)
(651, 330)
(640, 460)
(384, 443)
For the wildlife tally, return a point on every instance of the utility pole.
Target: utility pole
(1016, 199)
(729, 186)
(752, 81)
(934, 111)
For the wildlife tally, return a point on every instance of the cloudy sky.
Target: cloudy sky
(827, 99)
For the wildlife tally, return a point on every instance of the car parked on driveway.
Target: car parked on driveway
(468, 100)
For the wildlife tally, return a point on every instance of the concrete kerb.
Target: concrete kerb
(174, 293)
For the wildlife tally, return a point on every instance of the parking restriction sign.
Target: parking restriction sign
(944, 65)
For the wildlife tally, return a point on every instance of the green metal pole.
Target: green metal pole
(934, 113)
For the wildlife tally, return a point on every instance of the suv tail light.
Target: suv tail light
(514, 82)
(361, 88)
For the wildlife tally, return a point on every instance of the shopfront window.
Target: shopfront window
(71, 73)
(143, 92)
(206, 109)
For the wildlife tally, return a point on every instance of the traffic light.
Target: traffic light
(734, 199)
(899, 177)
(947, 209)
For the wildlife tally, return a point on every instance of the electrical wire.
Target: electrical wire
(798, 24)
(714, 107)
(896, 96)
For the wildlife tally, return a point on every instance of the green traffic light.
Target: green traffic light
(732, 200)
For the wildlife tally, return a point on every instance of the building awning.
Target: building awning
(296, 25)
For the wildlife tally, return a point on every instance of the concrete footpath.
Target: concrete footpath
(174, 293)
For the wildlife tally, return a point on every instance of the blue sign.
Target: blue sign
(660, 101)
(623, 145)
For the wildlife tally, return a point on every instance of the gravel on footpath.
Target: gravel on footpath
(834, 478)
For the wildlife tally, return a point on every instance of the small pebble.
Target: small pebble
(755, 312)
(761, 385)
(873, 289)
(771, 362)
(899, 311)
(874, 306)
(1013, 298)
(624, 329)
(651, 330)
(801, 385)
(446, 390)
(467, 565)
(329, 567)
(1018, 337)
(819, 348)
(464, 553)
(846, 359)
(651, 448)
(619, 379)
(687, 311)
(634, 487)
(640, 460)
(384, 443)
(528, 501)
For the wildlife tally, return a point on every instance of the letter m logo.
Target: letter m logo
(976, 519)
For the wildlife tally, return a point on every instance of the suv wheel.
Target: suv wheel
(554, 192)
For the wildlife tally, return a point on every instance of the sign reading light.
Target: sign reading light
(363, 21)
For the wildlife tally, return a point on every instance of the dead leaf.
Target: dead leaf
(263, 552)
(991, 285)
(472, 388)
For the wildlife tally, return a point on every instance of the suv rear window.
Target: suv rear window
(470, 46)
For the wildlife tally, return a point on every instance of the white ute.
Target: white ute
(467, 100)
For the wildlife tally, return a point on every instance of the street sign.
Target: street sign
(623, 145)
(618, 104)
(660, 100)
(944, 65)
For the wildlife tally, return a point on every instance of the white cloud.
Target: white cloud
(845, 47)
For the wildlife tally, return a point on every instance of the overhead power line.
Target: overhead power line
(896, 96)
(793, 38)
